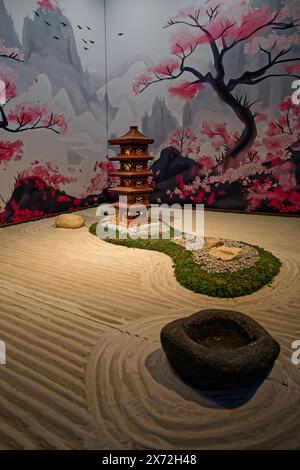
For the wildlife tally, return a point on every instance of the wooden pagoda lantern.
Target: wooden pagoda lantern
(133, 171)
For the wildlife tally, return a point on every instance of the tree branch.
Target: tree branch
(4, 122)
(256, 76)
(13, 56)
(272, 24)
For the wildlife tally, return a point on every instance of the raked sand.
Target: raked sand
(81, 320)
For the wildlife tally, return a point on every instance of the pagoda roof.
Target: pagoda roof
(133, 136)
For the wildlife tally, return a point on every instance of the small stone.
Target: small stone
(212, 242)
(225, 253)
(69, 221)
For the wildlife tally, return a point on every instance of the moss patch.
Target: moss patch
(192, 276)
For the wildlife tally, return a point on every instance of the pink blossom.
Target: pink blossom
(166, 67)
(48, 173)
(250, 21)
(11, 151)
(142, 81)
(48, 5)
(293, 68)
(35, 116)
(182, 140)
(10, 51)
(206, 162)
(261, 117)
(184, 41)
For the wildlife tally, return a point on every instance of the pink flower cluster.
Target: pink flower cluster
(49, 173)
(48, 5)
(29, 115)
(11, 151)
(10, 51)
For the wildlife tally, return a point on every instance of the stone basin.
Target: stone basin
(219, 349)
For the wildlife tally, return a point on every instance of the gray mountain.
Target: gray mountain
(7, 30)
(50, 49)
(160, 123)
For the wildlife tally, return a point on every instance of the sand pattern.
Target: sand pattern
(81, 320)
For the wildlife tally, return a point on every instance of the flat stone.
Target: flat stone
(225, 253)
(212, 242)
(219, 349)
(69, 221)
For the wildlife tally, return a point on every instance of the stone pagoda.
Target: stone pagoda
(133, 171)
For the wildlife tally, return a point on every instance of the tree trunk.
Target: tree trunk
(234, 155)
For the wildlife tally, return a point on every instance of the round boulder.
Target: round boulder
(219, 349)
(69, 221)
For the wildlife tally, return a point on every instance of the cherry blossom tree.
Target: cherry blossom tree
(287, 125)
(223, 31)
(23, 117)
(183, 140)
(26, 116)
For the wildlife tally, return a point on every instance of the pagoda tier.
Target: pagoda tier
(133, 171)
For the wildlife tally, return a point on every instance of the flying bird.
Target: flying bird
(85, 42)
(47, 22)
(86, 48)
(79, 27)
(64, 24)
(92, 42)
(55, 37)
(87, 27)
(120, 34)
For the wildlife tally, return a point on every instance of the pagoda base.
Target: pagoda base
(135, 229)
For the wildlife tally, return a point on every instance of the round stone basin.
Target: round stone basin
(219, 349)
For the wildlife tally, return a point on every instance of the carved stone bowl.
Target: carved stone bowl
(219, 349)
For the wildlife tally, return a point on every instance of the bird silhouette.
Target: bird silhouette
(120, 34)
(85, 42)
(36, 13)
(92, 42)
(87, 27)
(79, 27)
(86, 48)
(47, 22)
(55, 37)
(64, 24)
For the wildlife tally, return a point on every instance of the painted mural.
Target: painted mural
(212, 83)
(53, 106)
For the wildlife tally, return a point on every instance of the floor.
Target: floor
(81, 321)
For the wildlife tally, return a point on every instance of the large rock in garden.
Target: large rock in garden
(69, 221)
(225, 253)
(219, 349)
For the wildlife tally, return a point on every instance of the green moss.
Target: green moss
(192, 276)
